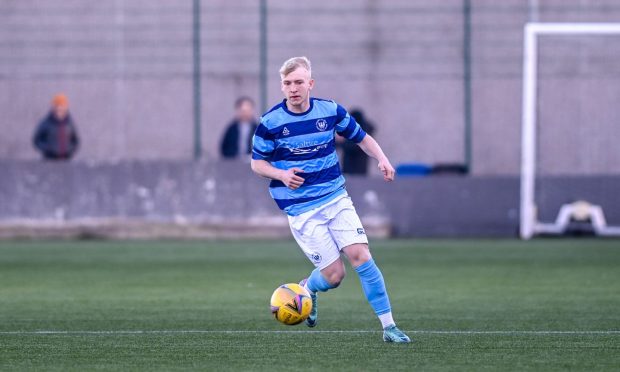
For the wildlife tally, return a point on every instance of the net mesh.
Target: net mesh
(578, 123)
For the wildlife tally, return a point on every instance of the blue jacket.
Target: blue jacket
(56, 139)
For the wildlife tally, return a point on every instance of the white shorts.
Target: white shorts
(323, 232)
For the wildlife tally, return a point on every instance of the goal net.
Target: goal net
(570, 144)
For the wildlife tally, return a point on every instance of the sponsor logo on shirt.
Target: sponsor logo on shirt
(360, 231)
(285, 131)
(307, 150)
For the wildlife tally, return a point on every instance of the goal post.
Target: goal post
(529, 223)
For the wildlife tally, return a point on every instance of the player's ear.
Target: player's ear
(311, 84)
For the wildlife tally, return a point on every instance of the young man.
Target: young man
(237, 141)
(294, 146)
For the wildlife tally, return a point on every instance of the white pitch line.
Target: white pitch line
(305, 332)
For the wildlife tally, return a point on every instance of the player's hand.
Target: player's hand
(291, 179)
(387, 169)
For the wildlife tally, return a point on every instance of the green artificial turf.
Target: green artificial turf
(470, 305)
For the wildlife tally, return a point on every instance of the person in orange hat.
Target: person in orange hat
(56, 136)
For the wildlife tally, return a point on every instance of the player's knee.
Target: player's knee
(334, 273)
(336, 277)
(358, 254)
(335, 282)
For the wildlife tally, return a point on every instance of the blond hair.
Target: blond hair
(293, 64)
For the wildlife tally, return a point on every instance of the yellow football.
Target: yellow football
(291, 304)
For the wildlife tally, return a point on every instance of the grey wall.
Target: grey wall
(126, 66)
(226, 197)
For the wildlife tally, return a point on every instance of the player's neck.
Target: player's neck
(298, 109)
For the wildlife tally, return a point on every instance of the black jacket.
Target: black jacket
(354, 159)
(56, 139)
(229, 147)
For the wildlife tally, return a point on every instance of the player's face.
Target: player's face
(296, 87)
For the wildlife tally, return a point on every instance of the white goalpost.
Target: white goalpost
(581, 210)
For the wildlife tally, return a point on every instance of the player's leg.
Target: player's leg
(374, 288)
(313, 237)
(346, 229)
(372, 281)
(322, 280)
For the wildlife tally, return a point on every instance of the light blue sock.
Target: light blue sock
(374, 287)
(317, 282)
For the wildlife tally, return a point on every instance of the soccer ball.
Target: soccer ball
(291, 304)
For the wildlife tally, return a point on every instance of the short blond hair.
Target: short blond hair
(293, 64)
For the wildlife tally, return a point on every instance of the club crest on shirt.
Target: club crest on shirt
(285, 131)
(321, 124)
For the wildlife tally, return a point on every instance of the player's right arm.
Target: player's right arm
(288, 177)
(263, 149)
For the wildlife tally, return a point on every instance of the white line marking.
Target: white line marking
(305, 332)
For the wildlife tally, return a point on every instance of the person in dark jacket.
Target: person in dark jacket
(354, 159)
(56, 136)
(237, 141)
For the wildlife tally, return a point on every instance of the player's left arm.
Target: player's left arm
(372, 148)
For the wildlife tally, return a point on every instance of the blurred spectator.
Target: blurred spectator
(237, 141)
(56, 137)
(354, 159)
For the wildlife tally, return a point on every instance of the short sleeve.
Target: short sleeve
(263, 144)
(347, 127)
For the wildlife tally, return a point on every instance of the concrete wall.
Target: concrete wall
(224, 199)
(126, 66)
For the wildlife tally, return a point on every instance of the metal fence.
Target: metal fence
(156, 79)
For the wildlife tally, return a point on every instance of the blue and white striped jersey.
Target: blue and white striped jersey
(307, 141)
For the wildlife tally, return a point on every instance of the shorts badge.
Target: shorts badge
(316, 257)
